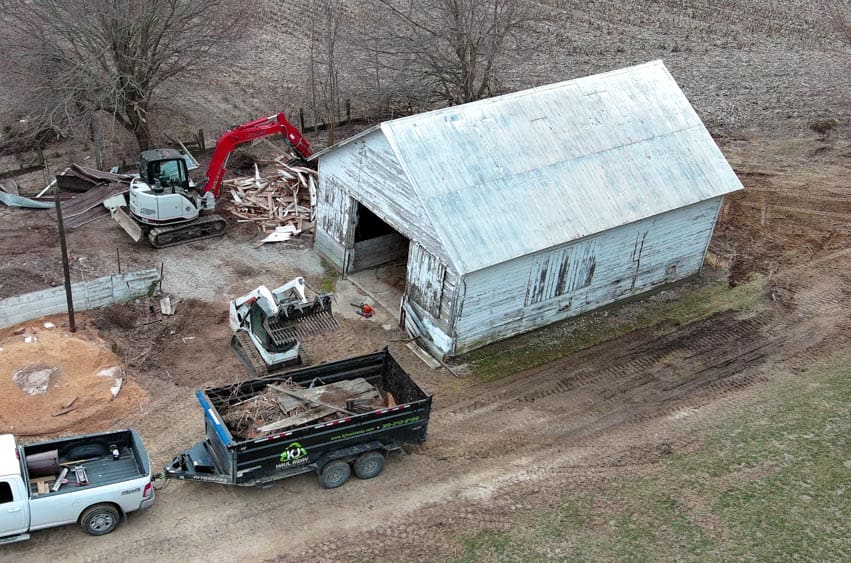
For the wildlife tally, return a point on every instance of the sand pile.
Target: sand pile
(52, 381)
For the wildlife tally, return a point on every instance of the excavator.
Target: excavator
(267, 325)
(165, 204)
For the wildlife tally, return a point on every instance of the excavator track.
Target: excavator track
(247, 354)
(207, 226)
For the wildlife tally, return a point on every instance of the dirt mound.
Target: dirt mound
(52, 381)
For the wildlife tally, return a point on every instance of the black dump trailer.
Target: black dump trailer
(334, 419)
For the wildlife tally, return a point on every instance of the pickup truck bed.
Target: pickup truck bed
(100, 466)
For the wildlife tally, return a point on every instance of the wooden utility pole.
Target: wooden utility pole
(66, 271)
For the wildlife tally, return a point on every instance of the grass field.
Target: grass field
(767, 483)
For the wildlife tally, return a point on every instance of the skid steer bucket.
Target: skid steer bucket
(297, 321)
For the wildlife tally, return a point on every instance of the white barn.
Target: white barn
(525, 209)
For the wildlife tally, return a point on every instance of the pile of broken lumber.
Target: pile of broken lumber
(284, 406)
(282, 204)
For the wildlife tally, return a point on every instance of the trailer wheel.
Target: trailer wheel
(369, 465)
(335, 474)
(99, 519)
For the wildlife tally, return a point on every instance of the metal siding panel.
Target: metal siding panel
(51, 301)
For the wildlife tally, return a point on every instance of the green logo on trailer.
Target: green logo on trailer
(293, 452)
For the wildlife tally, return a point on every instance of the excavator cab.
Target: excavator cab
(164, 170)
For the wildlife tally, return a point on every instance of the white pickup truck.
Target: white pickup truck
(92, 480)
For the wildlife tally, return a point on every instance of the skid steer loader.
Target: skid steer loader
(268, 325)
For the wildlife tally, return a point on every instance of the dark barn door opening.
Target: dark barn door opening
(378, 261)
(376, 242)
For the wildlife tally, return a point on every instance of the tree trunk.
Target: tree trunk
(97, 139)
(143, 136)
(139, 125)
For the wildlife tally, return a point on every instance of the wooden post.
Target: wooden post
(301, 119)
(65, 269)
(201, 146)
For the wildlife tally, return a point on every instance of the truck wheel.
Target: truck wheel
(335, 474)
(99, 519)
(369, 465)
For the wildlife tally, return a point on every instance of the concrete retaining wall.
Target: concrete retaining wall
(87, 295)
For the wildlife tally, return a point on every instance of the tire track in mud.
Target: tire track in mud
(640, 392)
(547, 381)
(614, 445)
(806, 335)
(714, 358)
(821, 293)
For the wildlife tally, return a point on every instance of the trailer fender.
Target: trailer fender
(350, 453)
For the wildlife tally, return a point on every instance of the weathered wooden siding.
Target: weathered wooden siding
(425, 277)
(431, 296)
(332, 219)
(367, 170)
(536, 290)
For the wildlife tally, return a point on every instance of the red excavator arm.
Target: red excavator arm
(248, 132)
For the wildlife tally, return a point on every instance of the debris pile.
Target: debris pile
(91, 187)
(282, 204)
(77, 178)
(285, 406)
(82, 190)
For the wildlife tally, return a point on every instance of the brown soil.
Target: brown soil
(75, 386)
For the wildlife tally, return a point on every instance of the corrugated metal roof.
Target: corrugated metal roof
(507, 176)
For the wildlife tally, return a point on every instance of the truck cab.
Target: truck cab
(14, 500)
(92, 480)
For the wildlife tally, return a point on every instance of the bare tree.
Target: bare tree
(323, 72)
(81, 58)
(453, 47)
